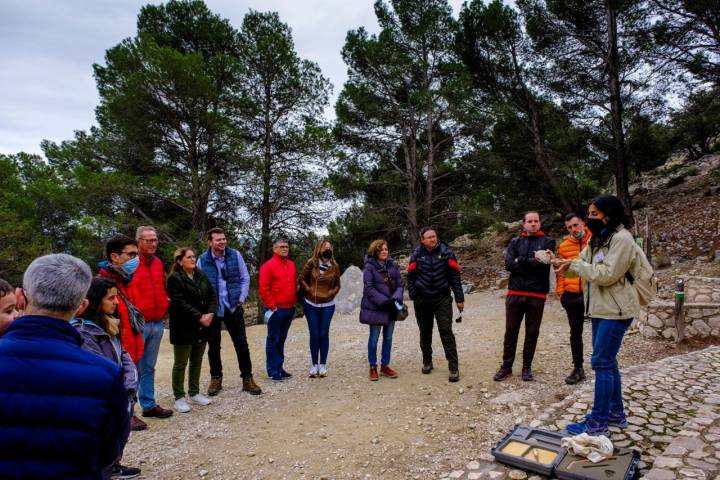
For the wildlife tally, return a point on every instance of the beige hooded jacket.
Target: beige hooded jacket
(608, 294)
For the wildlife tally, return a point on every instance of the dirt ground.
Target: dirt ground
(346, 427)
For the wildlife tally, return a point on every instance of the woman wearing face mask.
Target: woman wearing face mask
(122, 261)
(99, 328)
(320, 280)
(610, 301)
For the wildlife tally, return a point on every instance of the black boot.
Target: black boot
(577, 376)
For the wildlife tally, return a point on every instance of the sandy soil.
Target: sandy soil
(344, 426)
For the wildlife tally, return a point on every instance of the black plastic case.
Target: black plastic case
(533, 438)
(623, 467)
(566, 466)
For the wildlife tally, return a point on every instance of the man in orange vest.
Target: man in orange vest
(570, 291)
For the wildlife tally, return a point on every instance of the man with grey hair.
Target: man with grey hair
(147, 289)
(64, 410)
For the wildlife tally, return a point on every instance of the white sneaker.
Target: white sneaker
(200, 399)
(181, 405)
(322, 370)
(313, 371)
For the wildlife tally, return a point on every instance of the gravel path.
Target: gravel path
(343, 426)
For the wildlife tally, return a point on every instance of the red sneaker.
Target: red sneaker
(388, 372)
(374, 374)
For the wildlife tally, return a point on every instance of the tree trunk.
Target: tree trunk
(539, 154)
(616, 112)
(410, 151)
(265, 248)
(200, 196)
(430, 164)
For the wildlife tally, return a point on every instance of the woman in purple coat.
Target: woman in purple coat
(381, 301)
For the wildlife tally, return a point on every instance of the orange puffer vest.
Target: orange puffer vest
(570, 249)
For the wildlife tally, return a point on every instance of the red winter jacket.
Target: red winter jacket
(278, 278)
(147, 289)
(131, 341)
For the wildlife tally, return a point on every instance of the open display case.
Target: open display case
(539, 451)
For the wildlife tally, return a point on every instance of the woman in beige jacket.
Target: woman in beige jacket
(610, 301)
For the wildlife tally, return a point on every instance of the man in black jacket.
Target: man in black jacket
(527, 291)
(434, 271)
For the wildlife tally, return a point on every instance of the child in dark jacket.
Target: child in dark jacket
(99, 329)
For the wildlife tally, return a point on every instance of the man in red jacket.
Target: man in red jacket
(122, 260)
(277, 286)
(147, 288)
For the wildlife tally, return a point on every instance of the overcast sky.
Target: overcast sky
(47, 90)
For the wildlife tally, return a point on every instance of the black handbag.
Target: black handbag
(402, 314)
(137, 319)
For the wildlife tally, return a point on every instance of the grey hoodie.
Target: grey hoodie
(97, 340)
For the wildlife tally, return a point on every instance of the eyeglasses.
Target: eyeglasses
(132, 254)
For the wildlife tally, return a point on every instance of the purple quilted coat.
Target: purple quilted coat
(382, 286)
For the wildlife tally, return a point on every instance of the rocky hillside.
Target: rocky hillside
(678, 204)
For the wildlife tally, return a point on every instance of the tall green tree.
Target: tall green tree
(595, 59)
(281, 190)
(498, 55)
(395, 112)
(687, 33)
(169, 107)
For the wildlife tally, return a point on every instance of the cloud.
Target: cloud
(47, 90)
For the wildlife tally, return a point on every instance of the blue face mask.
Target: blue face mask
(131, 265)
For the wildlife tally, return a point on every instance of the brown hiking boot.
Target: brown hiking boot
(374, 374)
(215, 386)
(250, 386)
(388, 372)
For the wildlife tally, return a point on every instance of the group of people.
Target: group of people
(97, 339)
(592, 267)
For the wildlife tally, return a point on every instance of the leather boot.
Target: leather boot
(250, 386)
(577, 376)
(215, 386)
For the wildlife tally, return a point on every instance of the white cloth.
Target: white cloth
(595, 449)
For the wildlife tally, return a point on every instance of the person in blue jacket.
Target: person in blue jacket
(64, 411)
(381, 301)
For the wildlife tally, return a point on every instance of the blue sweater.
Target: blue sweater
(63, 410)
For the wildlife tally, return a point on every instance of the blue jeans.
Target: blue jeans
(277, 331)
(607, 337)
(152, 336)
(318, 319)
(387, 331)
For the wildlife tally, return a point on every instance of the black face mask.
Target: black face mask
(595, 225)
(326, 254)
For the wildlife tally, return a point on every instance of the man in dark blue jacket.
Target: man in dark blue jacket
(527, 291)
(434, 271)
(63, 410)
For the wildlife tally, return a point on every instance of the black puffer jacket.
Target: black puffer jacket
(527, 274)
(431, 274)
(190, 298)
